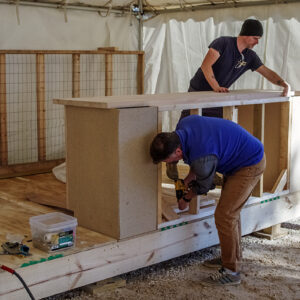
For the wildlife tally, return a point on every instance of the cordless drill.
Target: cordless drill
(180, 188)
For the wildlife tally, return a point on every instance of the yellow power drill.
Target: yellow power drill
(180, 188)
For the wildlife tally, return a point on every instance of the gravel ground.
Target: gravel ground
(270, 271)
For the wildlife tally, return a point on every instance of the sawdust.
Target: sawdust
(271, 270)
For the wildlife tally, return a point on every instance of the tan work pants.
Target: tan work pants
(235, 192)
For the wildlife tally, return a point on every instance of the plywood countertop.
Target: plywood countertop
(178, 101)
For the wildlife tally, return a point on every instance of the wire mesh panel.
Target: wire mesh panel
(58, 84)
(92, 75)
(124, 74)
(32, 129)
(21, 108)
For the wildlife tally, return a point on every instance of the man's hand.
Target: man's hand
(182, 204)
(221, 89)
(286, 90)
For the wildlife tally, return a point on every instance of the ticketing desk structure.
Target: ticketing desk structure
(113, 187)
(115, 190)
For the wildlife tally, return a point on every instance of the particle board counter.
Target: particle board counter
(112, 184)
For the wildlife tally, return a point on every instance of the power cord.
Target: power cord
(9, 270)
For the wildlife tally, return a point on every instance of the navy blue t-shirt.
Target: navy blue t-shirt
(230, 65)
(233, 146)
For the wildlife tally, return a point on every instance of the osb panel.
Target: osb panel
(92, 168)
(138, 175)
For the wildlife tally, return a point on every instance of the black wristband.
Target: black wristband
(186, 200)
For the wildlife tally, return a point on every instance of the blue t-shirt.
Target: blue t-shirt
(234, 147)
(230, 65)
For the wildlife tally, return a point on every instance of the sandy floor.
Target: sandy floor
(271, 270)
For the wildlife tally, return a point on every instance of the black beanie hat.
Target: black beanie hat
(252, 27)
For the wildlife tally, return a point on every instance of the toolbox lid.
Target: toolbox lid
(53, 221)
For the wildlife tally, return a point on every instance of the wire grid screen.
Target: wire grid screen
(124, 74)
(58, 82)
(92, 75)
(21, 108)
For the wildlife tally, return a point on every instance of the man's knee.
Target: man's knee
(225, 221)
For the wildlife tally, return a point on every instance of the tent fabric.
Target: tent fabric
(46, 29)
(175, 45)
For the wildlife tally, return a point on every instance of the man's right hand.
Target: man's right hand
(221, 89)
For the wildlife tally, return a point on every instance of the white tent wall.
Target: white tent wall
(176, 43)
(46, 29)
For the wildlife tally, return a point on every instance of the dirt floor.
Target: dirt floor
(271, 270)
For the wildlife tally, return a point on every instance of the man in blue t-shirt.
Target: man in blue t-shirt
(210, 145)
(227, 59)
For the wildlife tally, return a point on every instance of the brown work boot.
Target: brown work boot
(213, 263)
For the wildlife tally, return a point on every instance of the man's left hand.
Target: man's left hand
(182, 204)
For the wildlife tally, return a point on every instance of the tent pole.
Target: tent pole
(140, 17)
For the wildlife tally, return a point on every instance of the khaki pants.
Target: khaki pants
(235, 192)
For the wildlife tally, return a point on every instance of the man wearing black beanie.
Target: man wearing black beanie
(227, 59)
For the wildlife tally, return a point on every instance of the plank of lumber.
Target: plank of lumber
(41, 106)
(112, 49)
(275, 231)
(258, 132)
(3, 113)
(194, 205)
(76, 75)
(280, 182)
(179, 101)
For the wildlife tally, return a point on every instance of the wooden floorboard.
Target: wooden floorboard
(16, 210)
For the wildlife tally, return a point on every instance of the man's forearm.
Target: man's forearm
(275, 79)
(210, 77)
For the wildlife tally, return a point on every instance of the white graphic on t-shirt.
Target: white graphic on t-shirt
(241, 62)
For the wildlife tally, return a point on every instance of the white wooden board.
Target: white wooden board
(179, 101)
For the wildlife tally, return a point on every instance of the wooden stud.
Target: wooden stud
(108, 74)
(194, 205)
(111, 49)
(40, 93)
(3, 115)
(140, 74)
(159, 175)
(275, 231)
(195, 111)
(258, 131)
(285, 140)
(68, 52)
(29, 168)
(230, 113)
(76, 75)
(280, 182)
